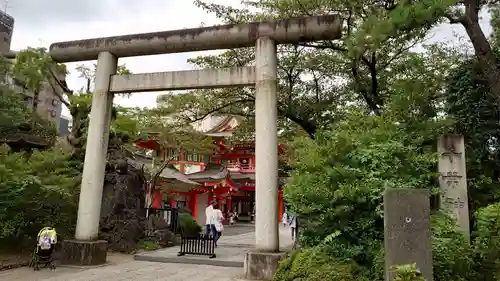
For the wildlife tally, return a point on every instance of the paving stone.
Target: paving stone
(122, 268)
(138, 271)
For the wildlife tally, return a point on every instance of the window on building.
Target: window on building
(193, 157)
(171, 153)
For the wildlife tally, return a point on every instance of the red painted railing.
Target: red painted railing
(239, 167)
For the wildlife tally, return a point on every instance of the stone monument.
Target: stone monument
(407, 230)
(453, 198)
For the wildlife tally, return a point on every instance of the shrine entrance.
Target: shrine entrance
(264, 36)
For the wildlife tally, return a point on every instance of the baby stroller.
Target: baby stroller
(46, 241)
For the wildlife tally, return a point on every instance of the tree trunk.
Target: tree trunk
(484, 54)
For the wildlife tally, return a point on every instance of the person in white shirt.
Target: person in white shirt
(209, 218)
(293, 226)
(218, 217)
(284, 219)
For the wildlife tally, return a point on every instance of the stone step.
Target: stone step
(190, 260)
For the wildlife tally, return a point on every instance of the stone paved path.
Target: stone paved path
(133, 271)
(123, 267)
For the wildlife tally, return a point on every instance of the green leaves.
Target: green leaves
(38, 191)
(339, 179)
(33, 68)
(407, 272)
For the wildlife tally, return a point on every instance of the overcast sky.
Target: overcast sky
(41, 22)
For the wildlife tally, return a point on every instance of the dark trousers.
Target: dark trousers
(210, 229)
(218, 234)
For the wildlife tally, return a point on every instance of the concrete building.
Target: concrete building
(6, 28)
(64, 126)
(46, 102)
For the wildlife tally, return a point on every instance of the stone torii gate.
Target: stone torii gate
(263, 35)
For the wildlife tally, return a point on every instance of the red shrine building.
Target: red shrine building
(227, 175)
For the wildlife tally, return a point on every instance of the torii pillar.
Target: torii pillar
(264, 36)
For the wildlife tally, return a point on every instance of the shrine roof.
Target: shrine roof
(148, 143)
(167, 173)
(24, 140)
(212, 172)
(224, 125)
(242, 176)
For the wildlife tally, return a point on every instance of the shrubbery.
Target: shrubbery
(453, 256)
(36, 191)
(487, 243)
(337, 189)
(188, 225)
(339, 178)
(316, 264)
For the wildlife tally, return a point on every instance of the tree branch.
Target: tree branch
(239, 62)
(370, 100)
(324, 47)
(303, 8)
(218, 109)
(60, 97)
(309, 127)
(455, 19)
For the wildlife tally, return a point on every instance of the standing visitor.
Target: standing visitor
(217, 218)
(232, 216)
(209, 218)
(284, 219)
(293, 225)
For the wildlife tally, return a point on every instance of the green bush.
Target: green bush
(452, 253)
(283, 273)
(487, 242)
(315, 264)
(148, 245)
(407, 272)
(35, 192)
(339, 178)
(188, 225)
(453, 257)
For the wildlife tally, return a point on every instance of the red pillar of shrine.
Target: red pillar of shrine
(219, 202)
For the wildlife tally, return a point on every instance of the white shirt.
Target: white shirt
(293, 221)
(217, 217)
(209, 215)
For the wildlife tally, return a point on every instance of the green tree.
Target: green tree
(12, 107)
(316, 81)
(408, 15)
(473, 107)
(353, 161)
(338, 181)
(35, 192)
(18, 122)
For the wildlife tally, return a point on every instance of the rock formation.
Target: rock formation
(123, 216)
